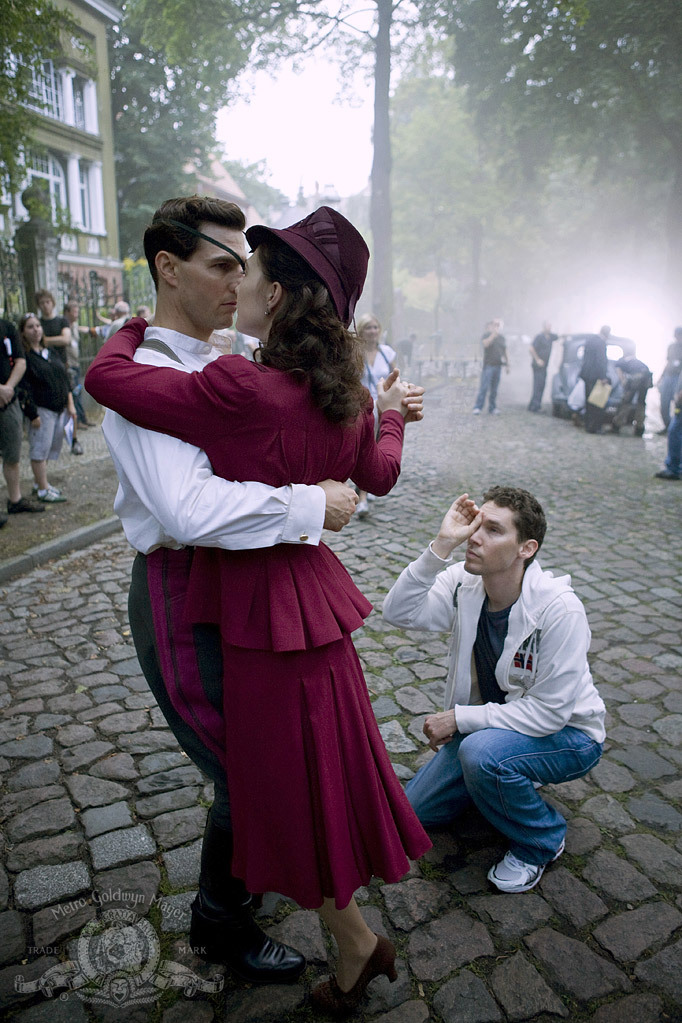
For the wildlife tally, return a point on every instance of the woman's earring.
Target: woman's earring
(267, 311)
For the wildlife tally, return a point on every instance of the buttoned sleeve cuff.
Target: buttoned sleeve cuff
(305, 520)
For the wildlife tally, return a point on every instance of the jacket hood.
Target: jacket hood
(540, 588)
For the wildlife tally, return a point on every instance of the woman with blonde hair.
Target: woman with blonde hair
(379, 363)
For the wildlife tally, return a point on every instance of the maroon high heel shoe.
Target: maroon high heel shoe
(330, 999)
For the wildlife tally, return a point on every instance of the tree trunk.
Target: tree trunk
(674, 233)
(380, 202)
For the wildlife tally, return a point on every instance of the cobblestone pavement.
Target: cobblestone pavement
(99, 803)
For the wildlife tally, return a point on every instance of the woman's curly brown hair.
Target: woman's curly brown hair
(307, 338)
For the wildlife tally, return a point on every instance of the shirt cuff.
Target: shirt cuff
(443, 561)
(306, 515)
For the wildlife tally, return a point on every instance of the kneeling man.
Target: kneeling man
(521, 707)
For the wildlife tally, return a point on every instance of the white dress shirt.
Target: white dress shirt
(169, 497)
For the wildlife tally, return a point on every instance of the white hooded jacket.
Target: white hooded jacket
(543, 668)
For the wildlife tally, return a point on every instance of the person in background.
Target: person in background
(145, 312)
(494, 358)
(594, 368)
(379, 362)
(12, 369)
(72, 313)
(672, 469)
(540, 351)
(667, 383)
(121, 316)
(406, 349)
(635, 377)
(56, 330)
(47, 403)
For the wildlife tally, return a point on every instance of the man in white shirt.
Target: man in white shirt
(169, 501)
(521, 707)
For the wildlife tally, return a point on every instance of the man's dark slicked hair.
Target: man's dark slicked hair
(528, 516)
(192, 210)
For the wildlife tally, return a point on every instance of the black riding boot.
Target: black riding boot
(223, 929)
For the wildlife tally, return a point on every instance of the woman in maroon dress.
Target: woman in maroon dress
(316, 806)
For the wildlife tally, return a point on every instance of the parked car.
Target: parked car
(566, 378)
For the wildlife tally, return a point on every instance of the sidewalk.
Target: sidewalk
(103, 814)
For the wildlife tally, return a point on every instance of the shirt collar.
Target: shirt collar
(175, 339)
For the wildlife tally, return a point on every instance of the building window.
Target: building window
(79, 103)
(46, 90)
(85, 197)
(47, 168)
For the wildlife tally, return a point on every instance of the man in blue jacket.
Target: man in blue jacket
(521, 709)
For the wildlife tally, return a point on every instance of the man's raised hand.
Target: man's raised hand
(462, 518)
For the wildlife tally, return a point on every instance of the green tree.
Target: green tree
(252, 179)
(592, 77)
(445, 199)
(267, 33)
(29, 34)
(163, 127)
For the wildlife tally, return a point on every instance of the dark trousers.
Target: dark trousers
(594, 416)
(632, 407)
(539, 381)
(210, 663)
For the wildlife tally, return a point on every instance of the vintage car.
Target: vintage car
(565, 380)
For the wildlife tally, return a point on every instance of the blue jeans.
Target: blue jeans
(667, 389)
(490, 378)
(495, 769)
(673, 461)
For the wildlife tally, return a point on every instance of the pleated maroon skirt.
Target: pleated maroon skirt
(316, 806)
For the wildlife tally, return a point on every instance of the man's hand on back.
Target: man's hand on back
(341, 501)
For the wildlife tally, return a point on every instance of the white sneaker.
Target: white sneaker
(362, 510)
(50, 496)
(514, 875)
(495, 412)
(477, 412)
(53, 490)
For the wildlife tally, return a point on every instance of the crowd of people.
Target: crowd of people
(41, 393)
(594, 386)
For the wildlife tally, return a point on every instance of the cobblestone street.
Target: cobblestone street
(98, 802)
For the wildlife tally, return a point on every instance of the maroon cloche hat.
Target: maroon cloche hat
(332, 247)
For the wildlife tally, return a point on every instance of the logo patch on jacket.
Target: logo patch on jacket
(524, 664)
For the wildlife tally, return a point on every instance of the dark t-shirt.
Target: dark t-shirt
(542, 344)
(11, 349)
(631, 366)
(490, 637)
(46, 380)
(53, 328)
(496, 352)
(594, 365)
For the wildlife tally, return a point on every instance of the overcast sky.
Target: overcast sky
(296, 123)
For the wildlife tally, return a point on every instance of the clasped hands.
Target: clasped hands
(400, 396)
